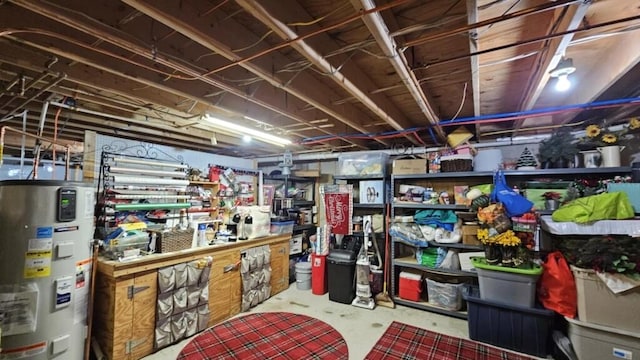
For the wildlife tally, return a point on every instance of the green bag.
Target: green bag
(606, 206)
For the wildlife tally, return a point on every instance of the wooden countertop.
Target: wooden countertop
(114, 268)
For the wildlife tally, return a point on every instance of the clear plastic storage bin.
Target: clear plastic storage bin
(283, 227)
(445, 295)
(362, 164)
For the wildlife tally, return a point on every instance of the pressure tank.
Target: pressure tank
(46, 230)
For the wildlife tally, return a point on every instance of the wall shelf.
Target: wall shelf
(368, 206)
(411, 262)
(423, 305)
(416, 205)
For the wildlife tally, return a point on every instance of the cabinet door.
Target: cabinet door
(279, 267)
(112, 315)
(224, 287)
(145, 290)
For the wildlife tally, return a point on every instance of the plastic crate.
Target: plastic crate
(445, 295)
(518, 328)
(599, 305)
(504, 285)
(283, 227)
(597, 342)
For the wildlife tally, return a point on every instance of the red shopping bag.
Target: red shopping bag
(557, 287)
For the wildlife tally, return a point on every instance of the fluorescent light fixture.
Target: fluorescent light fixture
(228, 126)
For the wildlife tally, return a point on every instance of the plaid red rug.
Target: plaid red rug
(272, 335)
(402, 341)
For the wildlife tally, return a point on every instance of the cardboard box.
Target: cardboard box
(460, 195)
(409, 166)
(470, 234)
(371, 192)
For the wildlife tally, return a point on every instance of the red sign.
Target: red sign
(338, 212)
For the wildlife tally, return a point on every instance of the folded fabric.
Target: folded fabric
(408, 233)
(445, 219)
(613, 206)
(443, 216)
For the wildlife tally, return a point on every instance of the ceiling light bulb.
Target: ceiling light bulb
(246, 138)
(563, 83)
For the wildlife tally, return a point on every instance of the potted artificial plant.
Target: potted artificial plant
(551, 200)
(557, 151)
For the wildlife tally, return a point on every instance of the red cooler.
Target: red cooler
(319, 274)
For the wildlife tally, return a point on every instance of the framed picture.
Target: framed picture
(268, 192)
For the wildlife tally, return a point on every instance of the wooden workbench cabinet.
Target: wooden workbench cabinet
(126, 292)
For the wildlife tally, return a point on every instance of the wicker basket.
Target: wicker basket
(173, 240)
(456, 163)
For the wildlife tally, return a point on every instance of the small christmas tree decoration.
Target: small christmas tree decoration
(526, 161)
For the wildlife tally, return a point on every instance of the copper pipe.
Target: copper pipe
(513, 15)
(2, 132)
(313, 33)
(26, 87)
(66, 163)
(537, 39)
(40, 92)
(36, 159)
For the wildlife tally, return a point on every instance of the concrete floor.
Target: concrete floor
(361, 328)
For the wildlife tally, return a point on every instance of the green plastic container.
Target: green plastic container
(480, 262)
(508, 286)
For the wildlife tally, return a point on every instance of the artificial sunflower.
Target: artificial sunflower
(593, 131)
(609, 138)
(634, 123)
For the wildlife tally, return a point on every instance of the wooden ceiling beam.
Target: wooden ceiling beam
(94, 72)
(380, 32)
(550, 54)
(187, 24)
(121, 39)
(343, 79)
(617, 60)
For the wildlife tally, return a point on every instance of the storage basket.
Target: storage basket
(173, 240)
(456, 163)
(525, 225)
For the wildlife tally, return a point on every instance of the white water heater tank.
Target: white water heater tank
(46, 230)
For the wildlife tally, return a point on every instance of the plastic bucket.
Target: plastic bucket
(303, 275)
